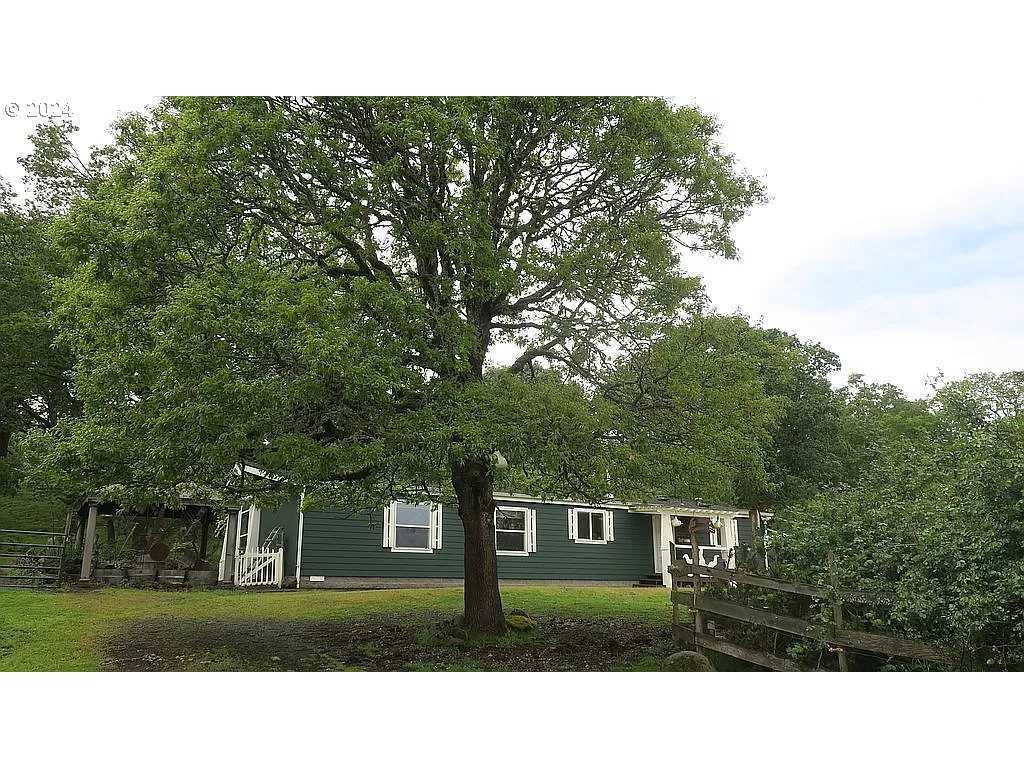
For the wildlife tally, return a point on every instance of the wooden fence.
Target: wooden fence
(834, 633)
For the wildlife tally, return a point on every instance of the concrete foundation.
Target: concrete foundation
(346, 582)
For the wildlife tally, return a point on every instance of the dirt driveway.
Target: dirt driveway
(380, 643)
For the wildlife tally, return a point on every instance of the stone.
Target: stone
(518, 623)
(688, 661)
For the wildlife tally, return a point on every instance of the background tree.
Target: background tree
(35, 381)
(694, 412)
(932, 514)
(324, 287)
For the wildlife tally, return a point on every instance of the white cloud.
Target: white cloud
(876, 127)
(874, 137)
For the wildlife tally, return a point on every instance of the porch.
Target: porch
(717, 530)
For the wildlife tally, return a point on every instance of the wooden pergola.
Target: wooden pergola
(185, 509)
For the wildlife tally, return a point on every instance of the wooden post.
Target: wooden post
(698, 619)
(89, 542)
(229, 547)
(204, 534)
(79, 531)
(757, 541)
(675, 592)
(837, 611)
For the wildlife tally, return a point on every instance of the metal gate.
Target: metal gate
(31, 559)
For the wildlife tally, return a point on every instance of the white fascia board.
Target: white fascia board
(249, 469)
(610, 504)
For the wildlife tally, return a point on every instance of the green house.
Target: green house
(420, 544)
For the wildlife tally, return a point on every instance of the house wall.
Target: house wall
(743, 531)
(286, 516)
(338, 545)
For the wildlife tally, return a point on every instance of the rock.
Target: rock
(688, 661)
(518, 612)
(518, 623)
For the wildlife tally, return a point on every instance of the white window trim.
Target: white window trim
(433, 527)
(605, 528)
(529, 530)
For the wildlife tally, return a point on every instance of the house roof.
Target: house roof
(687, 508)
(660, 505)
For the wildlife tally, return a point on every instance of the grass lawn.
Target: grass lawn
(31, 514)
(123, 628)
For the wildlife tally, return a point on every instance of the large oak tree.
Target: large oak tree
(378, 295)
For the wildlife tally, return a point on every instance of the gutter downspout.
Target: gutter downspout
(298, 551)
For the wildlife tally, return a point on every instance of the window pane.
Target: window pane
(510, 542)
(597, 526)
(413, 514)
(412, 538)
(582, 525)
(510, 519)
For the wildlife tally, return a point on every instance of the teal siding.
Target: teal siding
(743, 531)
(286, 516)
(335, 544)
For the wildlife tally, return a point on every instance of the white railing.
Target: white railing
(263, 567)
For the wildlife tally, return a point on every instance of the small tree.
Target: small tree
(377, 294)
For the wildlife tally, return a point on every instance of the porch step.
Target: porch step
(650, 580)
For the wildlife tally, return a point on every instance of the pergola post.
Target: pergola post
(89, 542)
(230, 539)
(79, 530)
(665, 540)
(204, 533)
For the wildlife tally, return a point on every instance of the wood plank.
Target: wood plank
(887, 645)
(764, 618)
(766, 660)
(29, 567)
(742, 577)
(38, 577)
(685, 570)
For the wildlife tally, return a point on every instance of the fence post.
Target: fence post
(675, 595)
(698, 620)
(837, 611)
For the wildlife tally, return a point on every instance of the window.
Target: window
(591, 526)
(412, 527)
(515, 531)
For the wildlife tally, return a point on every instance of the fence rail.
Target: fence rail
(834, 633)
(31, 559)
(263, 567)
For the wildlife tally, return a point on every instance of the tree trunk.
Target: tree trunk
(474, 488)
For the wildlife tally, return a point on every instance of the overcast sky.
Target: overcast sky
(895, 160)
